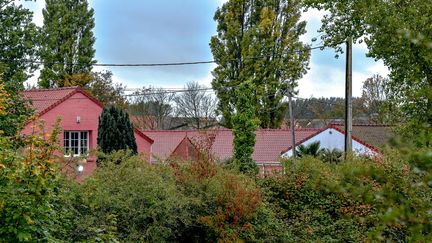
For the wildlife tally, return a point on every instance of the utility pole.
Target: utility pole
(290, 93)
(348, 97)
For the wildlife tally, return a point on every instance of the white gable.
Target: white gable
(331, 138)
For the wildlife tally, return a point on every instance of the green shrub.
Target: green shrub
(132, 201)
(176, 202)
(353, 201)
(29, 188)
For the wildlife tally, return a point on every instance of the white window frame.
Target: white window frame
(79, 139)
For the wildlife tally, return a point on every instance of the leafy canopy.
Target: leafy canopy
(397, 32)
(258, 41)
(67, 46)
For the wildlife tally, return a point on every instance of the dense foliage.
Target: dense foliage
(29, 188)
(115, 131)
(67, 46)
(387, 199)
(383, 199)
(397, 32)
(244, 126)
(177, 202)
(258, 41)
(18, 42)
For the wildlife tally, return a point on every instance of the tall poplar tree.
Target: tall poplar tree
(18, 44)
(67, 46)
(258, 40)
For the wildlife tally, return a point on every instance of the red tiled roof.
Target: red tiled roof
(43, 100)
(374, 136)
(269, 142)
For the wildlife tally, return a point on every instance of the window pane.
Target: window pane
(66, 135)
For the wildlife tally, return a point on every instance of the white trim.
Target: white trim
(79, 139)
(332, 138)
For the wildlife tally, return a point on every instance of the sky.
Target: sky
(162, 31)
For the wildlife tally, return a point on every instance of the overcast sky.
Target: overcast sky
(158, 31)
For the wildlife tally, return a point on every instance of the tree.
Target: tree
(67, 46)
(312, 149)
(397, 32)
(331, 155)
(18, 44)
(151, 107)
(115, 131)
(373, 97)
(196, 105)
(244, 125)
(103, 88)
(258, 41)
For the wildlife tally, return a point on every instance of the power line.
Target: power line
(147, 64)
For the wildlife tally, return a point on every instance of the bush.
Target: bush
(29, 188)
(131, 201)
(351, 201)
(180, 201)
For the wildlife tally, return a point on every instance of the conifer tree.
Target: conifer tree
(115, 131)
(67, 46)
(258, 40)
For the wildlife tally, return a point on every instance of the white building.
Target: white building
(366, 139)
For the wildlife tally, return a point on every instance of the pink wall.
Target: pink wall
(143, 146)
(88, 111)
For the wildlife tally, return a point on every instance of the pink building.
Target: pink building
(80, 116)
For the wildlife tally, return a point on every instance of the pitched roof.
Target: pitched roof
(44, 100)
(269, 142)
(371, 136)
(374, 135)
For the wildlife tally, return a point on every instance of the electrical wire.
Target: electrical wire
(145, 64)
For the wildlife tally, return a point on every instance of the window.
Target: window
(76, 143)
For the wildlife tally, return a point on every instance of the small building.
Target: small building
(219, 142)
(79, 112)
(366, 139)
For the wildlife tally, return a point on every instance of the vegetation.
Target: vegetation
(312, 149)
(382, 199)
(258, 41)
(387, 26)
(115, 131)
(18, 41)
(245, 124)
(30, 207)
(67, 46)
(196, 105)
(103, 88)
(316, 198)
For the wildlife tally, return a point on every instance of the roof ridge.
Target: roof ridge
(226, 129)
(52, 89)
(363, 125)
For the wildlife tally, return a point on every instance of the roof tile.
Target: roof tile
(269, 142)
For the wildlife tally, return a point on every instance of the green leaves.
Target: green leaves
(244, 126)
(28, 184)
(17, 42)
(67, 45)
(258, 41)
(396, 32)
